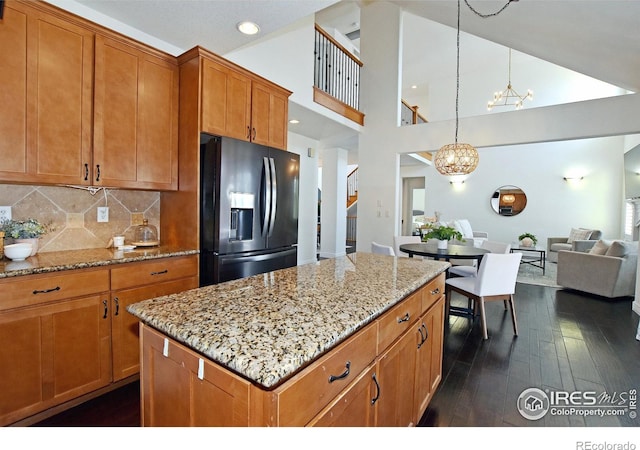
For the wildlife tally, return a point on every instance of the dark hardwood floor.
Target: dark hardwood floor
(567, 341)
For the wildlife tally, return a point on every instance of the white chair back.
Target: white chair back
(496, 247)
(382, 249)
(498, 273)
(401, 240)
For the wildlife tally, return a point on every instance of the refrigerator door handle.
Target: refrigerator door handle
(274, 195)
(267, 192)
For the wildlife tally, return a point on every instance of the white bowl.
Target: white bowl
(17, 252)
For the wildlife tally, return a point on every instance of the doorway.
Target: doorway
(413, 201)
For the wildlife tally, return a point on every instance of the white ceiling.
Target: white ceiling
(598, 38)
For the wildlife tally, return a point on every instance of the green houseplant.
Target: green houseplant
(443, 234)
(29, 230)
(528, 239)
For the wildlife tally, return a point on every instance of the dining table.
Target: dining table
(452, 251)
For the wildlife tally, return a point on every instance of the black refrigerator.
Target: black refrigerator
(248, 210)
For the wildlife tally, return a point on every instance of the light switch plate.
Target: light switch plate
(5, 213)
(103, 214)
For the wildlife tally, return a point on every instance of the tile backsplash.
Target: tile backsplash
(73, 213)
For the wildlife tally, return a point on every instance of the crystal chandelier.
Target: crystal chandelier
(509, 97)
(456, 158)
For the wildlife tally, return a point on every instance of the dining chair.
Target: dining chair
(382, 249)
(401, 240)
(496, 280)
(472, 271)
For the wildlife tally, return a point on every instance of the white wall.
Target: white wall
(554, 205)
(308, 196)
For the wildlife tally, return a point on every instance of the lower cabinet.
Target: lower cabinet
(377, 377)
(179, 388)
(67, 334)
(53, 353)
(135, 282)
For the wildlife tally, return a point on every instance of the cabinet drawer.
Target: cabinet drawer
(432, 291)
(398, 320)
(35, 289)
(306, 394)
(151, 272)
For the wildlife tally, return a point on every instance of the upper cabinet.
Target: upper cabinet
(60, 125)
(135, 118)
(239, 104)
(46, 97)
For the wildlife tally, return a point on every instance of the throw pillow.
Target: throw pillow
(578, 234)
(618, 249)
(599, 248)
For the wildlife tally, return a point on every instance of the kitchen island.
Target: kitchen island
(355, 340)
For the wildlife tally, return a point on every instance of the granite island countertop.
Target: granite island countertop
(267, 327)
(45, 262)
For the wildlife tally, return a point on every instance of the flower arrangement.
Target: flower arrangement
(23, 229)
(442, 233)
(530, 236)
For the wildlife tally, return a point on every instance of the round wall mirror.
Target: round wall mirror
(508, 201)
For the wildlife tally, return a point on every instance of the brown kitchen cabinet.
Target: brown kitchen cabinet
(180, 388)
(383, 375)
(46, 97)
(60, 125)
(135, 117)
(135, 282)
(57, 346)
(239, 104)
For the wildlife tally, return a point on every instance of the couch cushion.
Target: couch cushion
(599, 248)
(559, 246)
(618, 249)
(578, 234)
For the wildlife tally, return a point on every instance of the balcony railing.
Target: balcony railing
(409, 115)
(336, 77)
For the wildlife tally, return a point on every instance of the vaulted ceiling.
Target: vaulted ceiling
(598, 38)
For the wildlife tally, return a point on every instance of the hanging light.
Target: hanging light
(456, 158)
(509, 97)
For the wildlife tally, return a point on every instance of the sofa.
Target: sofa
(470, 236)
(579, 240)
(608, 269)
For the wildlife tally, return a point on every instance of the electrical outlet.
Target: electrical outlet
(103, 214)
(5, 213)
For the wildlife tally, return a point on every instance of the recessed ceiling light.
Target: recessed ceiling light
(414, 87)
(294, 121)
(247, 27)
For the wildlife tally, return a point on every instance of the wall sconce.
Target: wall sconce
(456, 182)
(573, 179)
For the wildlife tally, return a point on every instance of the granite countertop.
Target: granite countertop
(266, 327)
(46, 262)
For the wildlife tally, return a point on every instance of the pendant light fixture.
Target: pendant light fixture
(456, 158)
(509, 96)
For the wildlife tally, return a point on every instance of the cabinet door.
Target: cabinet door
(354, 407)
(135, 118)
(52, 354)
(78, 334)
(21, 364)
(226, 101)
(396, 369)
(124, 334)
(179, 390)
(47, 72)
(269, 112)
(428, 357)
